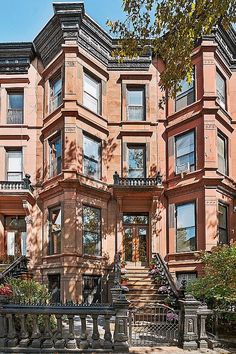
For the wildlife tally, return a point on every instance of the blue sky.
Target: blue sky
(21, 20)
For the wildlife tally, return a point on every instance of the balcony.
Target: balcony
(23, 185)
(137, 182)
(15, 116)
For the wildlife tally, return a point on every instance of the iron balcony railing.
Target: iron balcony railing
(137, 182)
(25, 184)
(15, 116)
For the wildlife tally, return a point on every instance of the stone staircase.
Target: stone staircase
(143, 290)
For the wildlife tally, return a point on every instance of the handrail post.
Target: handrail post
(203, 312)
(121, 325)
(188, 334)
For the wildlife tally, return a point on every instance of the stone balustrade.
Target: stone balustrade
(137, 182)
(48, 337)
(25, 184)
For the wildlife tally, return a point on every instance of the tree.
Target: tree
(217, 285)
(171, 28)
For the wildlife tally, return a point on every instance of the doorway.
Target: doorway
(135, 237)
(15, 230)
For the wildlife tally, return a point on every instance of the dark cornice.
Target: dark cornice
(15, 58)
(71, 23)
(226, 40)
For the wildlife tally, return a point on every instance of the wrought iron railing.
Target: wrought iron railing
(15, 116)
(137, 182)
(15, 269)
(167, 279)
(25, 184)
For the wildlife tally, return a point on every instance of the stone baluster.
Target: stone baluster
(59, 342)
(107, 335)
(48, 342)
(3, 331)
(24, 335)
(71, 343)
(95, 336)
(11, 335)
(203, 312)
(36, 335)
(188, 335)
(83, 338)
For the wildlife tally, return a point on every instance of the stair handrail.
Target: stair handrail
(161, 265)
(12, 266)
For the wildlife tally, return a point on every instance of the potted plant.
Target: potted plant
(124, 279)
(123, 263)
(152, 263)
(5, 293)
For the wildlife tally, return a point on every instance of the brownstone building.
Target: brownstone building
(109, 170)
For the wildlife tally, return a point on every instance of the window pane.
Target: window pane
(92, 157)
(54, 245)
(220, 89)
(16, 101)
(14, 165)
(91, 230)
(91, 86)
(186, 230)
(135, 219)
(135, 97)
(92, 289)
(185, 86)
(185, 144)
(57, 86)
(55, 157)
(91, 93)
(185, 152)
(136, 158)
(135, 103)
(185, 276)
(90, 102)
(222, 146)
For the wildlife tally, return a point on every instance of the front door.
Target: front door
(135, 237)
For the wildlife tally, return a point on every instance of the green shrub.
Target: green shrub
(31, 292)
(217, 285)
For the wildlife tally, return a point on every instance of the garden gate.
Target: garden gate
(152, 325)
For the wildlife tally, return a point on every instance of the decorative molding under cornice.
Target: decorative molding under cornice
(15, 58)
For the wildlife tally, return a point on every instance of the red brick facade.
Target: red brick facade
(85, 116)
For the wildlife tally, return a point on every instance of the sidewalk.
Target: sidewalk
(175, 350)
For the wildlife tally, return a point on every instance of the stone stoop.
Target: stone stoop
(142, 288)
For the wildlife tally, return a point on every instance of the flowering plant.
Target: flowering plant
(171, 316)
(123, 271)
(163, 289)
(154, 271)
(6, 290)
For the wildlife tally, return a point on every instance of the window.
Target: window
(55, 157)
(14, 165)
(135, 103)
(188, 277)
(185, 152)
(56, 93)
(187, 94)
(136, 161)
(222, 153)
(54, 218)
(15, 108)
(185, 227)
(221, 89)
(92, 97)
(91, 231)
(54, 287)
(91, 289)
(92, 157)
(223, 224)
